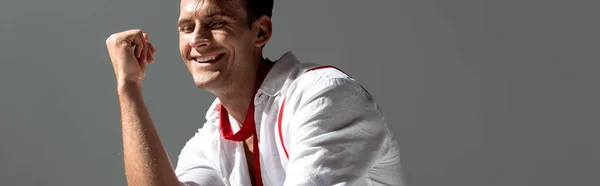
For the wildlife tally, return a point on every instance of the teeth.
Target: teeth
(205, 59)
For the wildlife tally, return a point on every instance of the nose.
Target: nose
(200, 39)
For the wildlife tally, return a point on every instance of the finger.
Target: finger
(150, 53)
(143, 67)
(150, 57)
(138, 42)
(142, 58)
(146, 37)
(152, 48)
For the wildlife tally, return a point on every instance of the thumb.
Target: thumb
(143, 68)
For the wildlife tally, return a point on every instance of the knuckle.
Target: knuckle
(137, 31)
(117, 38)
(110, 39)
(114, 39)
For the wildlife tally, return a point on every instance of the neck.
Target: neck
(237, 99)
(236, 102)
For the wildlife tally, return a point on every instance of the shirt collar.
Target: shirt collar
(278, 74)
(272, 84)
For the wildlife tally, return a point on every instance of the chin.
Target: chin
(205, 80)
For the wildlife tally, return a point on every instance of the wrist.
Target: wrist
(128, 86)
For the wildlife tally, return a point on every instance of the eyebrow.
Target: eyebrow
(213, 11)
(183, 21)
(210, 13)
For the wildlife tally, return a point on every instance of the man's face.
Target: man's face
(215, 41)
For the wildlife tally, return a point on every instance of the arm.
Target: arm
(336, 134)
(146, 161)
(145, 158)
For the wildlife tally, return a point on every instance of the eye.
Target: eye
(186, 29)
(217, 24)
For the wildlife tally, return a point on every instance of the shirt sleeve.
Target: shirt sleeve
(193, 167)
(336, 133)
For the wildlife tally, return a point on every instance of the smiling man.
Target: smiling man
(280, 122)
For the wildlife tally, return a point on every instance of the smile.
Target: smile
(208, 59)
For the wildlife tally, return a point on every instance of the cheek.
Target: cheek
(232, 40)
(184, 43)
(220, 36)
(183, 39)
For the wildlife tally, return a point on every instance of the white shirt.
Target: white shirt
(332, 130)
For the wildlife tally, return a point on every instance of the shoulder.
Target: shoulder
(325, 81)
(290, 74)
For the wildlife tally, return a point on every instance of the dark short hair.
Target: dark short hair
(257, 8)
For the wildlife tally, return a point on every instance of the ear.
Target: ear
(264, 30)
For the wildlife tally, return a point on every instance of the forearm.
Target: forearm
(146, 160)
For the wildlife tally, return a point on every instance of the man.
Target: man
(273, 123)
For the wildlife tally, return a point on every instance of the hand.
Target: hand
(130, 65)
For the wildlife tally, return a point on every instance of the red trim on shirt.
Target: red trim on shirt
(244, 133)
(322, 67)
(279, 126)
(280, 118)
(249, 127)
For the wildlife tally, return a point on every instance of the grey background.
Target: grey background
(478, 92)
